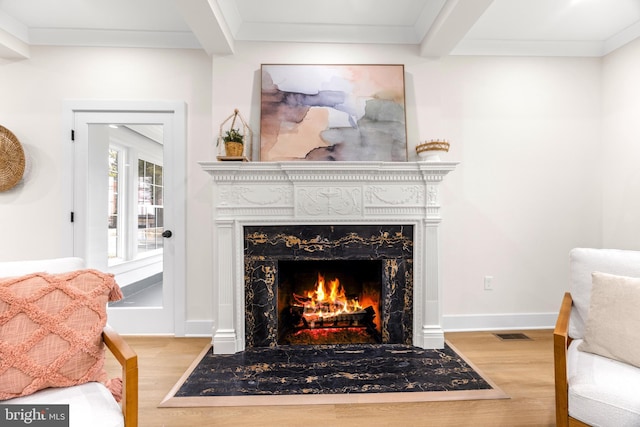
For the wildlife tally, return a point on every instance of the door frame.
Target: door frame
(176, 150)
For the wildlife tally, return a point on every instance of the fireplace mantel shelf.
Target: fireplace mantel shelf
(277, 171)
(301, 193)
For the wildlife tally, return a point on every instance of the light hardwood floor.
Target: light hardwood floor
(522, 369)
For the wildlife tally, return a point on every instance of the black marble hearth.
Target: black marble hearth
(266, 246)
(335, 369)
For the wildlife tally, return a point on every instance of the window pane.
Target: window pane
(157, 197)
(160, 217)
(150, 200)
(144, 183)
(158, 175)
(149, 172)
(112, 193)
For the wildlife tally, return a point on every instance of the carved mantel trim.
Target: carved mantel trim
(299, 193)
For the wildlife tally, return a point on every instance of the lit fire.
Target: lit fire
(327, 303)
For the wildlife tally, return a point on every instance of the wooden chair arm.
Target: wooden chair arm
(128, 359)
(561, 341)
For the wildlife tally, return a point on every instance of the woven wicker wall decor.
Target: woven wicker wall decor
(11, 159)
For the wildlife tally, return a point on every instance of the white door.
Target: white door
(128, 208)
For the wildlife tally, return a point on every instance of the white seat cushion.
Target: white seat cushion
(602, 392)
(90, 404)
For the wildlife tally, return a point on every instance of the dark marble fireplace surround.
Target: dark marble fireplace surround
(265, 246)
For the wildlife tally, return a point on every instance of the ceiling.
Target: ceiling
(436, 27)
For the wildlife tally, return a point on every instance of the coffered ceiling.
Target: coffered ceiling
(436, 27)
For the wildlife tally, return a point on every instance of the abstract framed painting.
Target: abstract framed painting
(333, 113)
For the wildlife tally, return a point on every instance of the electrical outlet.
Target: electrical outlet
(488, 283)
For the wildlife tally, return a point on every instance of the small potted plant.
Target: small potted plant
(233, 142)
(234, 132)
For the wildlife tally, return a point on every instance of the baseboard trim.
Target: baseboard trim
(450, 323)
(498, 322)
(199, 328)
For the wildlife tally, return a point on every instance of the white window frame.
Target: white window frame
(121, 248)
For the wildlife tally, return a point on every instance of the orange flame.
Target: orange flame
(329, 299)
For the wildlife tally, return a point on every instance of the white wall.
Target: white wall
(527, 132)
(32, 93)
(621, 148)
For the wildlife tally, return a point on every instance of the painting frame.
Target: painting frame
(333, 112)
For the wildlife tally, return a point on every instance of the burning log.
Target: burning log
(361, 318)
(301, 300)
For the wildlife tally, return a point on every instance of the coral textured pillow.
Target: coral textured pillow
(51, 330)
(614, 318)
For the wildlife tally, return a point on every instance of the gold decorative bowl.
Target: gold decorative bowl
(429, 150)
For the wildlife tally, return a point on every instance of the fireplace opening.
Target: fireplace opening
(329, 301)
(370, 261)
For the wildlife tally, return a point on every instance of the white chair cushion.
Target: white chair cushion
(52, 266)
(602, 392)
(583, 262)
(90, 404)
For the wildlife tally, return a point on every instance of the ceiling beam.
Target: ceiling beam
(11, 47)
(207, 23)
(12, 36)
(451, 25)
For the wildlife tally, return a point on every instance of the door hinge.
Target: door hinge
(73, 135)
(72, 216)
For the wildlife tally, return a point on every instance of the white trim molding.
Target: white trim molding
(498, 322)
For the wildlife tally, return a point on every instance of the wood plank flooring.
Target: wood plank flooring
(523, 369)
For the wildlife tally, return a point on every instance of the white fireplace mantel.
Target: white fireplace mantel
(332, 193)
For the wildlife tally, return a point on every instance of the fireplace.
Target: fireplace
(268, 216)
(329, 302)
(285, 266)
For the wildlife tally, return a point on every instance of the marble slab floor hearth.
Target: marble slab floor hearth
(331, 369)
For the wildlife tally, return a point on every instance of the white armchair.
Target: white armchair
(597, 378)
(92, 403)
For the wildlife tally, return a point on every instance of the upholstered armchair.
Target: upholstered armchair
(53, 335)
(597, 341)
